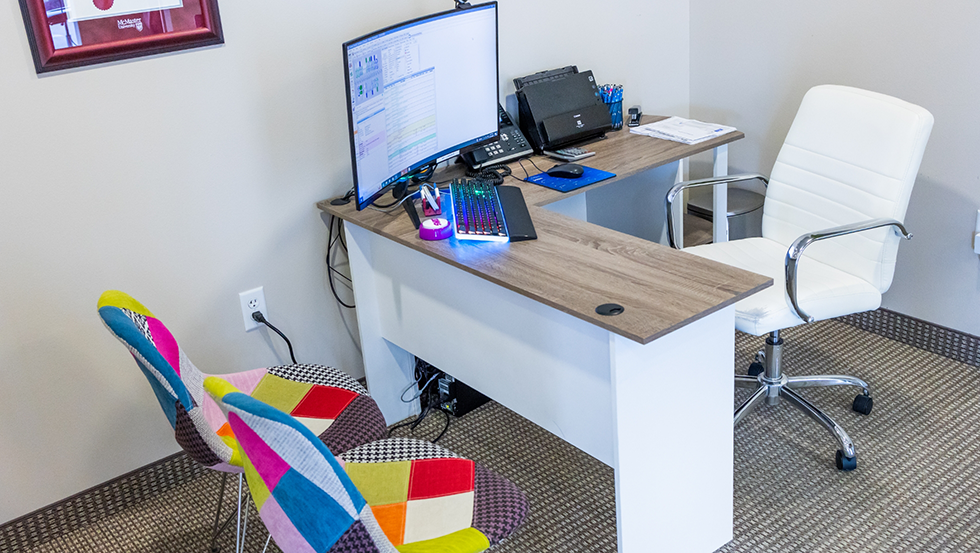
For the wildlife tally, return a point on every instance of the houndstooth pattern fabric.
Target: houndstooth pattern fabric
(499, 507)
(361, 422)
(356, 540)
(140, 322)
(319, 374)
(191, 440)
(396, 449)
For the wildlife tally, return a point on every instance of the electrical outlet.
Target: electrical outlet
(252, 300)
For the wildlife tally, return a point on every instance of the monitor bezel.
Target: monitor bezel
(444, 154)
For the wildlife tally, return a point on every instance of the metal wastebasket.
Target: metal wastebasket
(744, 210)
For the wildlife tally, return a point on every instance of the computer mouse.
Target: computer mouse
(566, 171)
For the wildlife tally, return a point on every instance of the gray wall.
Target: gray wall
(187, 178)
(752, 61)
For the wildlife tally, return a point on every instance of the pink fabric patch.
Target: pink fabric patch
(267, 463)
(212, 413)
(286, 535)
(165, 343)
(246, 381)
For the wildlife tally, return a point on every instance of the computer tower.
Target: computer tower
(445, 392)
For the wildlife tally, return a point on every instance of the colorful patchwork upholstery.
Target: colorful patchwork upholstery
(334, 406)
(391, 495)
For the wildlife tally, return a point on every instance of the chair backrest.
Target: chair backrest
(176, 382)
(305, 499)
(850, 156)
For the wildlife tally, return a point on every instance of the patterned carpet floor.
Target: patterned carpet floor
(916, 488)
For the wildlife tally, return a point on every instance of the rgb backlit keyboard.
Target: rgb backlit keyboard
(477, 212)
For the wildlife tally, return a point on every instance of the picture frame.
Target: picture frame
(65, 34)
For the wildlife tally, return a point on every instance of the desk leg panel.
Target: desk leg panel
(673, 443)
(388, 368)
(547, 366)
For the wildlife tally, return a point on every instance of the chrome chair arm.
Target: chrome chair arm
(795, 252)
(677, 188)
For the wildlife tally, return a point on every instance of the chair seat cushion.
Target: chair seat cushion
(427, 499)
(823, 292)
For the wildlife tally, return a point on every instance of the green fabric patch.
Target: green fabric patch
(381, 483)
(468, 540)
(280, 393)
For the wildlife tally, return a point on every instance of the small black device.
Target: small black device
(413, 213)
(566, 171)
(511, 145)
(634, 117)
(561, 107)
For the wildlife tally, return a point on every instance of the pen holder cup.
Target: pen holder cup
(616, 113)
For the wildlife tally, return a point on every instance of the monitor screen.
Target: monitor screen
(420, 92)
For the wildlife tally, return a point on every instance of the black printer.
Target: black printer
(560, 107)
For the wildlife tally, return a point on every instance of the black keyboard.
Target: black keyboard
(477, 213)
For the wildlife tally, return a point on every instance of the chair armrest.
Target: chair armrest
(795, 252)
(677, 188)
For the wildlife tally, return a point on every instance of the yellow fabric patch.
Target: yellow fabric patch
(381, 483)
(468, 540)
(230, 441)
(218, 388)
(280, 393)
(122, 300)
(256, 486)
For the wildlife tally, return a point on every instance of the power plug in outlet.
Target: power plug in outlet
(252, 300)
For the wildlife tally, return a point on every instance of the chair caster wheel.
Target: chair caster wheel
(863, 404)
(756, 368)
(846, 463)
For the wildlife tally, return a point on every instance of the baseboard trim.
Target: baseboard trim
(98, 502)
(954, 344)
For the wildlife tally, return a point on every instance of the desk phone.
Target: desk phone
(509, 147)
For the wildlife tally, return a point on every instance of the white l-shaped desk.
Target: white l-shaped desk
(648, 392)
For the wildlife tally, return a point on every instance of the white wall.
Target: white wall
(186, 178)
(752, 61)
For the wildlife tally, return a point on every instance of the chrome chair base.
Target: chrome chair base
(771, 385)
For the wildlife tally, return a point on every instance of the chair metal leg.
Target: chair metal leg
(827, 380)
(772, 384)
(816, 414)
(745, 381)
(217, 514)
(238, 532)
(750, 404)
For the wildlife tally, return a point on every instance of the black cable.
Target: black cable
(493, 174)
(330, 268)
(258, 317)
(444, 412)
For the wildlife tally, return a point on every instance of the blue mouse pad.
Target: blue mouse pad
(589, 176)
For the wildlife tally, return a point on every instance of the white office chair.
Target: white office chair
(838, 190)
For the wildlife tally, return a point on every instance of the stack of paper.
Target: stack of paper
(683, 130)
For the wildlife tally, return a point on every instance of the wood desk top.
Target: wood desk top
(575, 266)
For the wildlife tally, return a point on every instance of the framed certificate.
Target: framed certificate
(72, 33)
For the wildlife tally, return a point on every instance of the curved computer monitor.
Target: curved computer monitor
(420, 92)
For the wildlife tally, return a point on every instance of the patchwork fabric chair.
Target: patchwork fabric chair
(330, 403)
(396, 494)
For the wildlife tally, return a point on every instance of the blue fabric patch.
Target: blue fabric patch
(167, 401)
(125, 329)
(318, 518)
